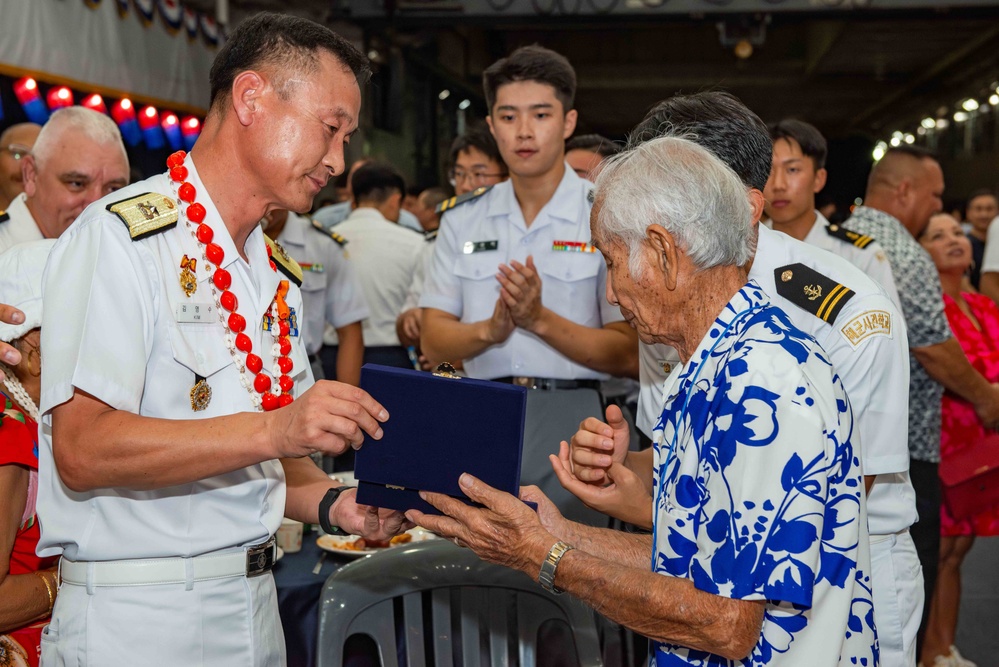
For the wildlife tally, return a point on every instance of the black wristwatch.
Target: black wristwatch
(324, 510)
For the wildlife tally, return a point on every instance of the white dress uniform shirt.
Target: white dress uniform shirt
(18, 225)
(479, 235)
(870, 259)
(331, 291)
(334, 214)
(384, 257)
(420, 275)
(118, 325)
(990, 260)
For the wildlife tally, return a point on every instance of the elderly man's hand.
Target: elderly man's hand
(521, 292)
(505, 531)
(368, 522)
(623, 497)
(9, 355)
(597, 445)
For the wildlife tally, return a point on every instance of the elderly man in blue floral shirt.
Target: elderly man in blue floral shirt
(760, 551)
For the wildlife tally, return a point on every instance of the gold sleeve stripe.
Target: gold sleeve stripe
(830, 301)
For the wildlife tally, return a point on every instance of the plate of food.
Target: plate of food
(352, 546)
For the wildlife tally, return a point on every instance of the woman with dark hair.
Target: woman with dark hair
(974, 319)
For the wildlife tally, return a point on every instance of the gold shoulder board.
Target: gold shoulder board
(316, 225)
(843, 234)
(285, 263)
(146, 214)
(4, 216)
(448, 204)
(811, 291)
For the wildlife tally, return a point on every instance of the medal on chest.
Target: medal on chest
(188, 277)
(264, 393)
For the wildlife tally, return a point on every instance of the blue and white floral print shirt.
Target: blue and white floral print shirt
(760, 490)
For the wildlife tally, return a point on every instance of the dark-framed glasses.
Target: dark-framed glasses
(476, 177)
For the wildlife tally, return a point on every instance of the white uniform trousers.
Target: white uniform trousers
(217, 623)
(897, 580)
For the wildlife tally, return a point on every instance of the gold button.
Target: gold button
(786, 276)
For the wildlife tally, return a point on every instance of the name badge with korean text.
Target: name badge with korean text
(196, 313)
(479, 246)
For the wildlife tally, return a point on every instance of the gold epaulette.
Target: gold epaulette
(4, 216)
(285, 263)
(811, 291)
(146, 214)
(843, 234)
(448, 204)
(328, 233)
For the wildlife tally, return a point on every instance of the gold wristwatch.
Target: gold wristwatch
(547, 576)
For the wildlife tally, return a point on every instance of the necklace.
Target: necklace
(264, 394)
(19, 393)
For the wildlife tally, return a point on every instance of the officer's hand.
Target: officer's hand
(598, 445)
(521, 291)
(369, 522)
(327, 418)
(408, 327)
(500, 325)
(9, 355)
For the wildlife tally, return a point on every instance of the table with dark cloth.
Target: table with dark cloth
(298, 598)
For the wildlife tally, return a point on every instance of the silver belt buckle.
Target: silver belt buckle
(260, 559)
(525, 382)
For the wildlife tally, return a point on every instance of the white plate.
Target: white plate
(346, 477)
(338, 544)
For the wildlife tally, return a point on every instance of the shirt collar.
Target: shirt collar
(213, 219)
(366, 214)
(877, 217)
(294, 230)
(18, 210)
(726, 323)
(565, 204)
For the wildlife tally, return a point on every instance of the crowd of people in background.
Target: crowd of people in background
(592, 272)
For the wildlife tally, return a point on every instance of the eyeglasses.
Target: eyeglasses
(455, 176)
(18, 151)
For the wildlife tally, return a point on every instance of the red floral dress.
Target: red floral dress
(19, 446)
(961, 426)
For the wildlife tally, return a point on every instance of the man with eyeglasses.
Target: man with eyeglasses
(77, 158)
(15, 142)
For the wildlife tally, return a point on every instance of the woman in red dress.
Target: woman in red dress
(28, 584)
(974, 319)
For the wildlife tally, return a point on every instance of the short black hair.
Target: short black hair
(594, 143)
(375, 182)
(718, 122)
(532, 63)
(807, 136)
(983, 192)
(479, 137)
(281, 40)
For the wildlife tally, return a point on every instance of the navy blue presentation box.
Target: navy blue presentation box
(438, 428)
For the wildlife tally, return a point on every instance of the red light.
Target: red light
(126, 103)
(150, 112)
(192, 123)
(64, 93)
(170, 119)
(94, 102)
(30, 84)
(60, 97)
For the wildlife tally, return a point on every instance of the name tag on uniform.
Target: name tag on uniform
(312, 268)
(194, 313)
(572, 246)
(479, 246)
(865, 325)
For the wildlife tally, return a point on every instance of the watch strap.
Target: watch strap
(550, 564)
(324, 510)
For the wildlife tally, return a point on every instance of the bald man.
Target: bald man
(15, 142)
(904, 190)
(77, 159)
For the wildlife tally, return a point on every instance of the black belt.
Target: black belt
(549, 384)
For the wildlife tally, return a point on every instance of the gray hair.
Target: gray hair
(673, 182)
(93, 125)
